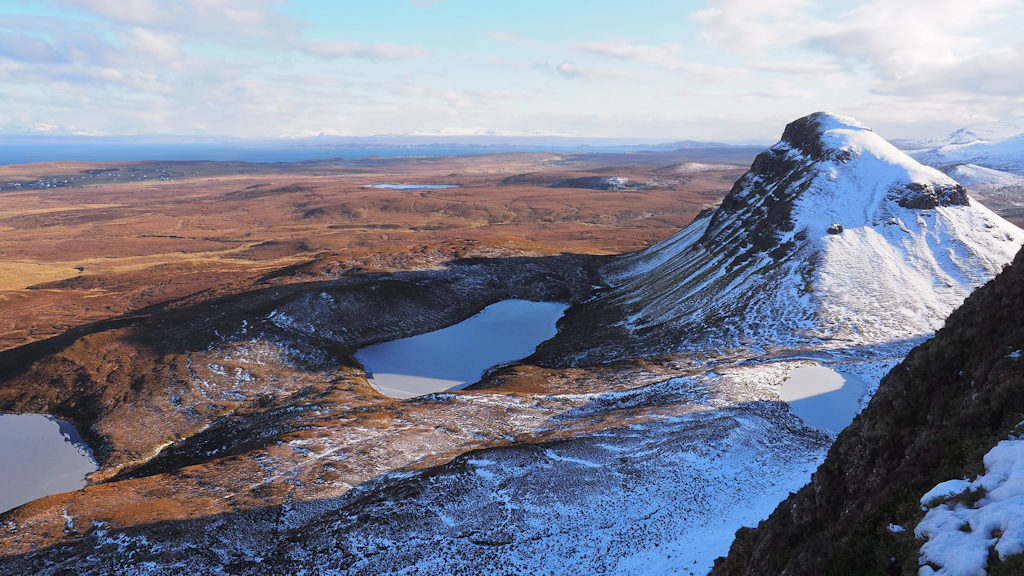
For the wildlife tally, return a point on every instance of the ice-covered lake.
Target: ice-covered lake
(823, 397)
(458, 355)
(412, 186)
(41, 456)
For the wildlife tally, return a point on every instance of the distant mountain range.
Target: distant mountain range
(997, 147)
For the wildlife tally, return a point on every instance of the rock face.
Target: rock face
(933, 418)
(833, 238)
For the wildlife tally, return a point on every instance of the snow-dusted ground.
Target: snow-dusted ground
(663, 495)
(968, 518)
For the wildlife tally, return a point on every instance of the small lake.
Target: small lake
(458, 355)
(412, 186)
(41, 456)
(823, 397)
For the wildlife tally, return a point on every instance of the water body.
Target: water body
(458, 355)
(412, 186)
(823, 397)
(41, 456)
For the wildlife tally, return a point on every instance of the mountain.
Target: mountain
(239, 436)
(988, 132)
(834, 238)
(935, 421)
(997, 150)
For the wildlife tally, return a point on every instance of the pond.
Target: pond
(412, 186)
(823, 397)
(41, 455)
(458, 355)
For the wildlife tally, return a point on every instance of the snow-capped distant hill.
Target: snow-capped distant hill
(968, 147)
(833, 237)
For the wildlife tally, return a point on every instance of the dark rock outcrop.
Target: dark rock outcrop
(933, 418)
(926, 197)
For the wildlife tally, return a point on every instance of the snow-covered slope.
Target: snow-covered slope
(974, 176)
(833, 237)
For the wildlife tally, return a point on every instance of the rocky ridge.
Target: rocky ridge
(933, 418)
(832, 239)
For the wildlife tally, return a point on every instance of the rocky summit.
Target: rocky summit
(833, 238)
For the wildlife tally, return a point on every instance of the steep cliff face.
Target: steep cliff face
(933, 418)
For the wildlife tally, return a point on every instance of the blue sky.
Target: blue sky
(652, 69)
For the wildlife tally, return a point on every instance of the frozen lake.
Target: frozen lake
(458, 355)
(412, 186)
(823, 397)
(41, 456)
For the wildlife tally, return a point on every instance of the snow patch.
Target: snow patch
(967, 519)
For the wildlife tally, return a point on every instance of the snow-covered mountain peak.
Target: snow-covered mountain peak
(828, 172)
(833, 235)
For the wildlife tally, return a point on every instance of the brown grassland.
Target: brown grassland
(104, 247)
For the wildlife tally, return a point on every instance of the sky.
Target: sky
(661, 70)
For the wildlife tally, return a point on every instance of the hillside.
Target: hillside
(933, 418)
(832, 239)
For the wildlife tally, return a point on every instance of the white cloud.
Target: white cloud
(28, 48)
(514, 39)
(156, 45)
(945, 51)
(667, 56)
(914, 44)
(570, 71)
(812, 68)
(222, 20)
(339, 49)
(754, 24)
